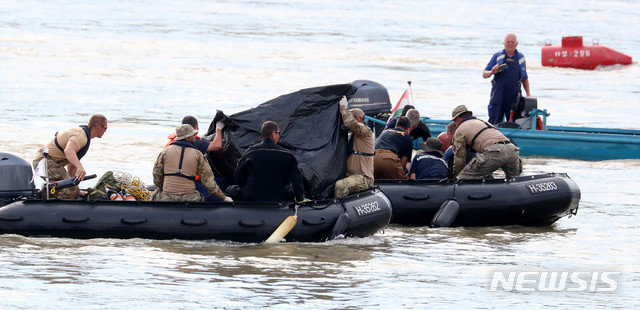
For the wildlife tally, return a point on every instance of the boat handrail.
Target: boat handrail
(532, 118)
(374, 120)
(534, 113)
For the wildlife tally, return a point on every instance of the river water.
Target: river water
(146, 64)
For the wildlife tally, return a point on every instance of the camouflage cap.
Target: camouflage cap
(357, 112)
(459, 110)
(185, 131)
(432, 145)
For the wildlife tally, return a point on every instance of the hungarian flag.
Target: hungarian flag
(404, 100)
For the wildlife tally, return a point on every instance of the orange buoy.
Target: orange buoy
(573, 54)
(115, 196)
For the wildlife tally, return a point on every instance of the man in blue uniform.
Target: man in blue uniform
(266, 169)
(506, 79)
(429, 165)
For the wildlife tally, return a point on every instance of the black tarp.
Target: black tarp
(310, 127)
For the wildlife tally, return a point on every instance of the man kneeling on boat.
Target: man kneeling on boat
(176, 168)
(360, 161)
(393, 150)
(493, 150)
(429, 164)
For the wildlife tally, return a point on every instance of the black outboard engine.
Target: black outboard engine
(15, 178)
(521, 111)
(373, 99)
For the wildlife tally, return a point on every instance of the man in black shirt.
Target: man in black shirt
(393, 151)
(266, 169)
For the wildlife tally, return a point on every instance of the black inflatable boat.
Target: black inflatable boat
(537, 200)
(362, 215)
(358, 215)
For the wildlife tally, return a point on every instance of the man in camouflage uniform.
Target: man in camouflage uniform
(493, 150)
(176, 167)
(360, 162)
(65, 151)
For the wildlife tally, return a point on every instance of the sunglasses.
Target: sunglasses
(103, 126)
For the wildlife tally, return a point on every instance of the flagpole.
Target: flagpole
(45, 152)
(410, 94)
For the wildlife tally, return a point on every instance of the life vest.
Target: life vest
(519, 58)
(172, 138)
(489, 126)
(184, 144)
(495, 136)
(538, 123)
(81, 152)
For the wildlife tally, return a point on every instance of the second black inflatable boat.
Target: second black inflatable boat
(536, 200)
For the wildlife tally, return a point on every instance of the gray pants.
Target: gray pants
(492, 158)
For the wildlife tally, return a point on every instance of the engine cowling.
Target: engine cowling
(15, 178)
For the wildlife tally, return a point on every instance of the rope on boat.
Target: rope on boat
(133, 185)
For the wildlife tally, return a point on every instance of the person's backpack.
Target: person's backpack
(105, 184)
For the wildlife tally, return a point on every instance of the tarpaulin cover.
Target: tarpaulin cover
(310, 127)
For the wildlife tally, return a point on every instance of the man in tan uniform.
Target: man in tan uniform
(493, 150)
(360, 162)
(176, 168)
(66, 149)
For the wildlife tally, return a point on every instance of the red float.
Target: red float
(573, 54)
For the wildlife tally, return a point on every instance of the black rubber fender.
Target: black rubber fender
(340, 226)
(446, 214)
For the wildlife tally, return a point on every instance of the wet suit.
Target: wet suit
(265, 171)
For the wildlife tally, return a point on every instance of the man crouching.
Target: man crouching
(176, 168)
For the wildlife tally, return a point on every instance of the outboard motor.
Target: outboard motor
(373, 99)
(520, 113)
(15, 178)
